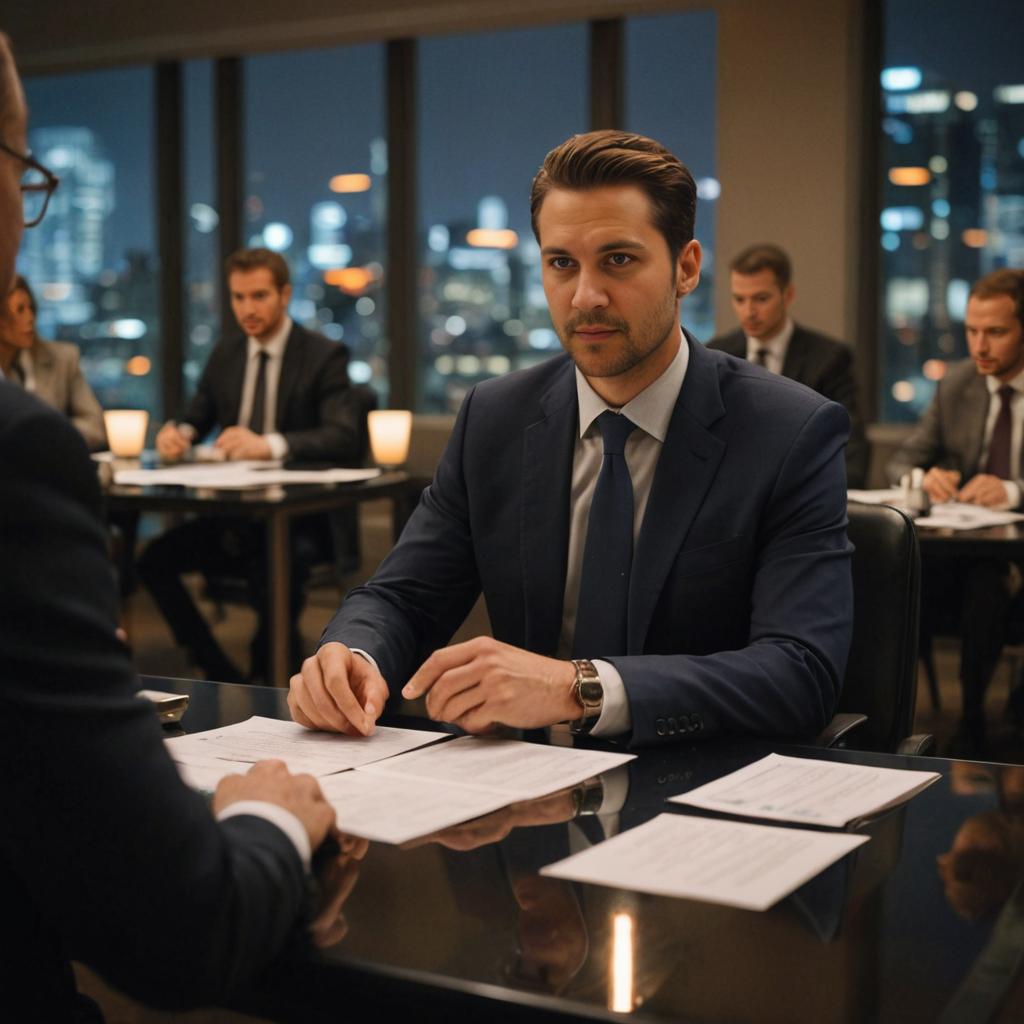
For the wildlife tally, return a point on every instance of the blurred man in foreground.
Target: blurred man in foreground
(106, 856)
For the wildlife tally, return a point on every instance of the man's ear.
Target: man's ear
(688, 268)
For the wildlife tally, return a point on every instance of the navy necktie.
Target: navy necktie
(259, 396)
(601, 610)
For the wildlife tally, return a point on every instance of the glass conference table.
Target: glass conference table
(922, 923)
(275, 507)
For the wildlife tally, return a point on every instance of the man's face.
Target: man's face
(612, 289)
(995, 337)
(760, 303)
(12, 129)
(258, 304)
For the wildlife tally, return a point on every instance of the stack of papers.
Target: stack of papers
(237, 476)
(379, 795)
(738, 863)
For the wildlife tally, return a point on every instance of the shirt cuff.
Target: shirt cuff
(278, 445)
(1012, 494)
(615, 717)
(276, 815)
(368, 657)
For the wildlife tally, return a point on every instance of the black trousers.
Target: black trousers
(981, 600)
(229, 549)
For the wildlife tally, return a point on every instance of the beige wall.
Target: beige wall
(789, 80)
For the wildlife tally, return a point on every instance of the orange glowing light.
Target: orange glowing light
(975, 238)
(493, 238)
(350, 183)
(910, 175)
(138, 366)
(934, 369)
(351, 280)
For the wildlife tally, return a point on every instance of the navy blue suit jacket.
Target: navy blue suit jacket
(740, 602)
(106, 857)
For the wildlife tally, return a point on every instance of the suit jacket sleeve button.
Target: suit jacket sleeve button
(659, 726)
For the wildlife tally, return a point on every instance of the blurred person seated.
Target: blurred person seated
(49, 369)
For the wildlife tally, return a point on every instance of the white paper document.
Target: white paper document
(236, 476)
(317, 753)
(956, 515)
(807, 791)
(441, 786)
(883, 496)
(730, 862)
(394, 808)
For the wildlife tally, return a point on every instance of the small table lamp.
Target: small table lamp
(126, 431)
(389, 436)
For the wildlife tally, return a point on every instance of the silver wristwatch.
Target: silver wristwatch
(588, 690)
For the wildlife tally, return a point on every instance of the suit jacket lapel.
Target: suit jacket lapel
(233, 382)
(291, 364)
(686, 468)
(794, 366)
(547, 474)
(973, 415)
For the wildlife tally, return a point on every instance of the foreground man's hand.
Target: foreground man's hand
(171, 443)
(984, 489)
(483, 682)
(242, 443)
(271, 782)
(338, 691)
(941, 484)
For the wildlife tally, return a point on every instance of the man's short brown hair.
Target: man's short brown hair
(598, 159)
(1002, 282)
(253, 259)
(764, 256)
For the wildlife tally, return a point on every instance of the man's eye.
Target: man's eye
(620, 259)
(561, 262)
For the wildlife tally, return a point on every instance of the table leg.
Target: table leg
(278, 590)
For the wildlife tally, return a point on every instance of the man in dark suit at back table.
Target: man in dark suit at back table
(277, 391)
(762, 291)
(969, 441)
(106, 857)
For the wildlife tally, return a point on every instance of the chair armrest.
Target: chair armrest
(840, 725)
(921, 745)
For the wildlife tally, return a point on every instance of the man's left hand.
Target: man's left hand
(984, 489)
(242, 443)
(482, 683)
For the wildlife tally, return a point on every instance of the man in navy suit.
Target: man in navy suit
(717, 597)
(762, 291)
(277, 391)
(106, 857)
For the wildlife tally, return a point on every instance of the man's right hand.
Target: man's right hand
(271, 782)
(338, 691)
(171, 443)
(941, 484)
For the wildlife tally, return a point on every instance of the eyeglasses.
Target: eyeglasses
(37, 185)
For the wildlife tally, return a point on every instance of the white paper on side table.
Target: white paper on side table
(734, 863)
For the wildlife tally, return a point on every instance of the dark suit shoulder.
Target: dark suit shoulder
(961, 376)
(735, 343)
(820, 345)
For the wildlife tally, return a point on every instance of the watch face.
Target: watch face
(591, 693)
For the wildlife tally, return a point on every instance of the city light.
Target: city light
(351, 280)
(900, 79)
(909, 175)
(938, 165)
(902, 218)
(934, 369)
(277, 236)
(709, 189)
(350, 183)
(204, 217)
(492, 238)
(966, 100)
(130, 329)
(138, 366)
(1009, 94)
(903, 391)
(975, 238)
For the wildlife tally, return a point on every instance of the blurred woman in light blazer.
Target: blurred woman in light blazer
(49, 369)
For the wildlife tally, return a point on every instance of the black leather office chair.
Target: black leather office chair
(876, 708)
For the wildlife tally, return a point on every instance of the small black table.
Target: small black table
(275, 506)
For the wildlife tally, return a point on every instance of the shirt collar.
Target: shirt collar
(776, 346)
(275, 346)
(994, 384)
(651, 410)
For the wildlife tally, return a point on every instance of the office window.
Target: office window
(92, 261)
(202, 270)
(316, 190)
(490, 107)
(952, 124)
(670, 96)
